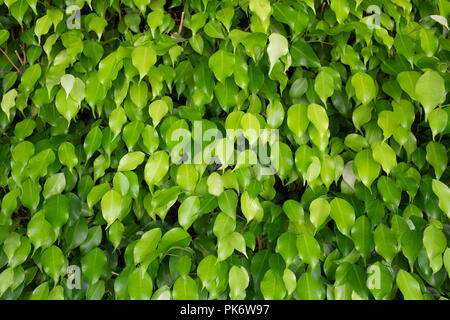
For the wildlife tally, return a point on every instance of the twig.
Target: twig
(259, 243)
(24, 53)
(241, 5)
(104, 30)
(18, 57)
(192, 192)
(416, 28)
(319, 41)
(181, 23)
(244, 228)
(324, 4)
(10, 61)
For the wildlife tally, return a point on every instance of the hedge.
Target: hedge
(206, 149)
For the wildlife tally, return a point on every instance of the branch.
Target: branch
(18, 57)
(181, 23)
(24, 53)
(10, 61)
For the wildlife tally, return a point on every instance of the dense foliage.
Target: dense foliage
(106, 194)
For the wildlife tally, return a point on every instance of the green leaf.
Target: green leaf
(163, 200)
(111, 206)
(143, 58)
(297, 119)
(287, 247)
(187, 177)
(318, 117)
(262, 9)
(389, 191)
(52, 260)
(221, 63)
(319, 211)
(9, 101)
(437, 157)
(54, 185)
(150, 138)
(281, 159)
(430, 91)
(76, 234)
(278, 46)
(66, 155)
(41, 292)
(225, 16)
(4, 36)
(97, 24)
(157, 111)
(174, 237)
(56, 209)
(92, 265)
(387, 122)
(223, 225)
(324, 85)
(379, 280)
(364, 87)
(275, 114)
(343, 214)
(188, 211)
(411, 244)
(251, 208)
(40, 231)
(435, 243)
(214, 29)
(303, 55)
(447, 260)
(408, 286)
(145, 248)
(405, 45)
(438, 120)
(428, 42)
(308, 288)
(238, 280)
(272, 286)
(341, 9)
(92, 142)
(229, 243)
(185, 288)
(6, 279)
(362, 236)
(156, 168)
(140, 284)
(116, 121)
(366, 167)
(24, 128)
(130, 161)
(385, 242)
(442, 191)
(228, 203)
(308, 249)
(215, 184)
(384, 155)
(408, 81)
